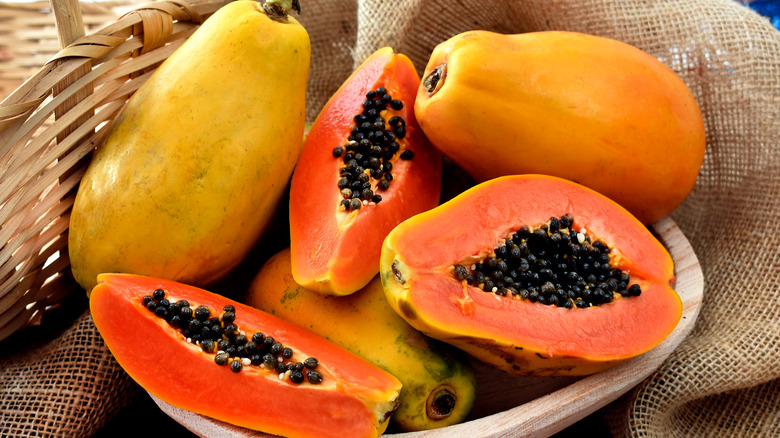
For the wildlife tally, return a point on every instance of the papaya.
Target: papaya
(208, 354)
(200, 157)
(535, 275)
(439, 385)
(593, 110)
(365, 166)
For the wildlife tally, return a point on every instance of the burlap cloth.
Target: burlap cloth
(723, 380)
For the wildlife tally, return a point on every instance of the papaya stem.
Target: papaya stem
(279, 9)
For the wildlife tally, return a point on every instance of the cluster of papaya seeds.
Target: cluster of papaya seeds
(369, 150)
(552, 264)
(231, 346)
(207, 354)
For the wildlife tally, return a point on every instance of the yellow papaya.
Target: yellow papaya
(439, 384)
(200, 157)
(589, 109)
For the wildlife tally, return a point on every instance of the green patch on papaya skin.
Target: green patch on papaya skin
(290, 294)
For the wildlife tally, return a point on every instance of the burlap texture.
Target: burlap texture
(70, 386)
(724, 379)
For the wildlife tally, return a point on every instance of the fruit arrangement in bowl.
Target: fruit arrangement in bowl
(406, 299)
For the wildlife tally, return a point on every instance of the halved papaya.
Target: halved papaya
(365, 167)
(155, 330)
(535, 275)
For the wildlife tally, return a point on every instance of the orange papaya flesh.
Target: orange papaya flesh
(629, 126)
(335, 247)
(514, 334)
(354, 397)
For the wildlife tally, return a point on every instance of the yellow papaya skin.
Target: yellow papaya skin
(589, 109)
(200, 157)
(439, 385)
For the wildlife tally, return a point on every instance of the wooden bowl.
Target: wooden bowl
(535, 406)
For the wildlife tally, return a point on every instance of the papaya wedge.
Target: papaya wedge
(365, 166)
(218, 375)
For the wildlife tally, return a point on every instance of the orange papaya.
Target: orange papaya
(207, 354)
(535, 275)
(589, 109)
(365, 166)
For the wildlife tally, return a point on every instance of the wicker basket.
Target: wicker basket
(50, 124)
(29, 39)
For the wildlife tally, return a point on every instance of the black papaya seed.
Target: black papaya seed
(296, 376)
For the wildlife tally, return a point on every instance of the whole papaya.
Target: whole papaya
(200, 157)
(439, 385)
(589, 109)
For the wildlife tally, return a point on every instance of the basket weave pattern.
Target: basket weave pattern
(47, 136)
(28, 35)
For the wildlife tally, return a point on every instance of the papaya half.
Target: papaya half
(535, 275)
(439, 385)
(207, 354)
(589, 109)
(200, 157)
(365, 166)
